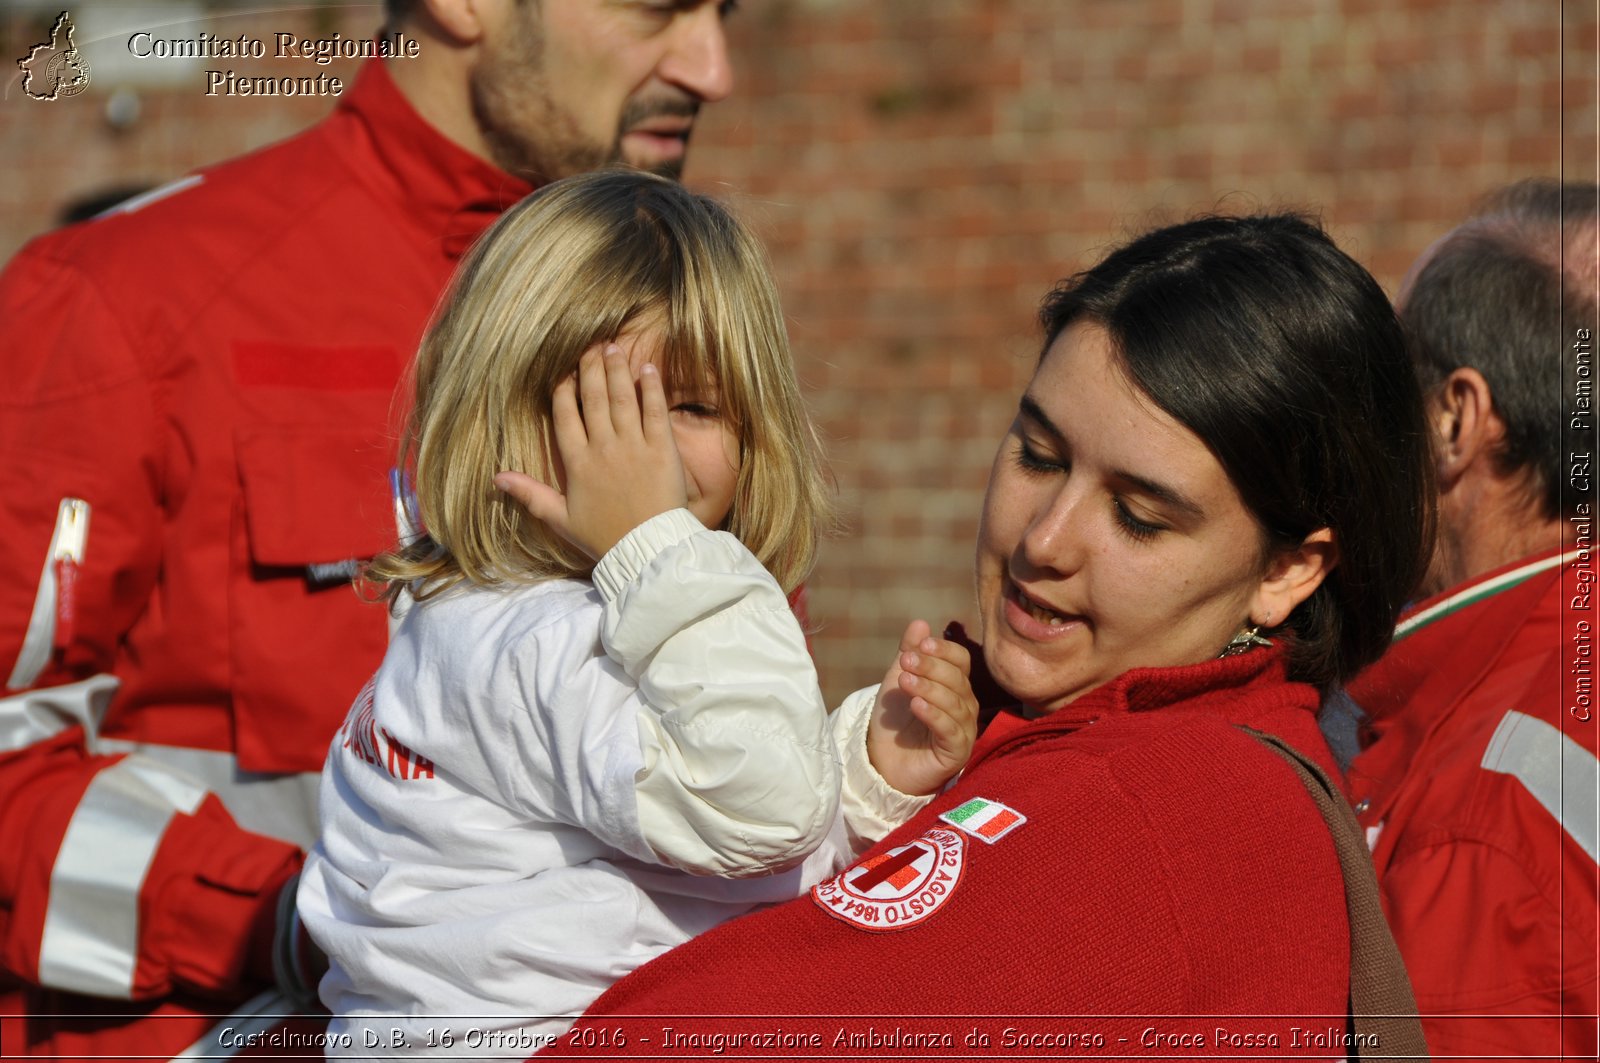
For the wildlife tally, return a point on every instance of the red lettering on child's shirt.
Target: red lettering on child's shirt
(403, 763)
(361, 733)
(360, 729)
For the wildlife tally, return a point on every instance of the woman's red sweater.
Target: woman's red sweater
(1165, 878)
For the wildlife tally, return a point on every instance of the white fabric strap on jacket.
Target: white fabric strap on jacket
(1559, 773)
(40, 714)
(90, 942)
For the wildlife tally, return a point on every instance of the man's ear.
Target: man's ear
(462, 20)
(1291, 577)
(1466, 428)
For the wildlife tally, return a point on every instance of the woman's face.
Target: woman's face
(1111, 536)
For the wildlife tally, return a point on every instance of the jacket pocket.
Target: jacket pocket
(315, 496)
(315, 505)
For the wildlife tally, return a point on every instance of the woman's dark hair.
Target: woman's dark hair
(1285, 358)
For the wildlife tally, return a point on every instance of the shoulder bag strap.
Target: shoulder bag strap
(1383, 1012)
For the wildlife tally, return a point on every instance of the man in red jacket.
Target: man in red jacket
(1477, 775)
(198, 424)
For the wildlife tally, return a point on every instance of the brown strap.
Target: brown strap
(1383, 1011)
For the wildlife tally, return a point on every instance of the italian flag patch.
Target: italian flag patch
(985, 819)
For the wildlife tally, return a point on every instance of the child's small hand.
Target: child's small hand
(621, 461)
(925, 720)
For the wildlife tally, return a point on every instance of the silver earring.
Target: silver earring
(1247, 638)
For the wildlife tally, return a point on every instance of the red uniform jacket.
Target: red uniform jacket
(1135, 866)
(213, 371)
(1477, 782)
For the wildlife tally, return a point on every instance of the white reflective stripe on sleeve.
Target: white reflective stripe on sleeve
(46, 712)
(242, 1029)
(91, 925)
(279, 806)
(1559, 773)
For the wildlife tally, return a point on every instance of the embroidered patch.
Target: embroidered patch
(985, 819)
(899, 888)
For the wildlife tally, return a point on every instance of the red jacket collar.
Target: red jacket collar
(435, 183)
(1488, 584)
(1469, 624)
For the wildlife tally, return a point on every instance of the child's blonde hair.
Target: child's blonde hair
(574, 265)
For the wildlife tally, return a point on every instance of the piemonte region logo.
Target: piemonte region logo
(55, 68)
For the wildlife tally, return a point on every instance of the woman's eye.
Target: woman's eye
(697, 409)
(1030, 460)
(1142, 530)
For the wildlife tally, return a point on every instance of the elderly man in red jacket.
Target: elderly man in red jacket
(198, 426)
(1476, 779)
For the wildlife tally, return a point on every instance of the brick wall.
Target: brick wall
(924, 169)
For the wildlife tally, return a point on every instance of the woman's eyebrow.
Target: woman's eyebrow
(1034, 412)
(1171, 496)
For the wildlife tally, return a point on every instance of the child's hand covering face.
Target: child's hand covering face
(621, 460)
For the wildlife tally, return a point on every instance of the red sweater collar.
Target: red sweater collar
(1207, 686)
(437, 184)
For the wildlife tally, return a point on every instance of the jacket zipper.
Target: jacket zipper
(55, 607)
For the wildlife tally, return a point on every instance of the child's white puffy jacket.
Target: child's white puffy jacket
(546, 786)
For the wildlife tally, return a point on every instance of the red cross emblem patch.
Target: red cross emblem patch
(898, 888)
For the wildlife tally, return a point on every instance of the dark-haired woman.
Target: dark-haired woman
(1209, 509)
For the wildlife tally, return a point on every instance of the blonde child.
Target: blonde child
(598, 731)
